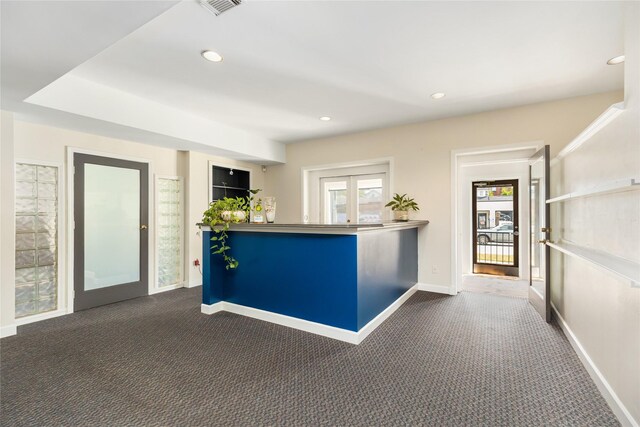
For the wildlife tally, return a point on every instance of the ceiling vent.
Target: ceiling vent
(218, 7)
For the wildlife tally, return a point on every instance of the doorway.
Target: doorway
(111, 232)
(495, 227)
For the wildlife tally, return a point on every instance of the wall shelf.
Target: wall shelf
(228, 182)
(618, 186)
(599, 123)
(622, 267)
(229, 187)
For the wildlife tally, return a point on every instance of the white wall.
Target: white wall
(422, 161)
(7, 226)
(601, 309)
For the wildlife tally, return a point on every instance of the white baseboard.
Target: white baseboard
(154, 291)
(7, 331)
(616, 405)
(212, 308)
(193, 284)
(377, 321)
(308, 326)
(438, 289)
(40, 317)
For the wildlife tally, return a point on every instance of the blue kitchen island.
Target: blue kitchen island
(339, 280)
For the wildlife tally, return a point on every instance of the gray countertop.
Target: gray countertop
(350, 228)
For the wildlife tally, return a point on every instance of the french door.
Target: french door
(353, 198)
(539, 274)
(111, 232)
(495, 227)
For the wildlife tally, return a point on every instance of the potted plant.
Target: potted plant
(401, 205)
(220, 214)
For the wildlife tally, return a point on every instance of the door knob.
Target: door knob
(143, 227)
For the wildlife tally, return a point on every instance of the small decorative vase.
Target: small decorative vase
(258, 213)
(270, 209)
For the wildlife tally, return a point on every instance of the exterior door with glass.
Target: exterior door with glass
(110, 230)
(495, 227)
(353, 199)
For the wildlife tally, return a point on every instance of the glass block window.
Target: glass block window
(169, 231)
(36, 239)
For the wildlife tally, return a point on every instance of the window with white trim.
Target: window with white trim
(355, 194)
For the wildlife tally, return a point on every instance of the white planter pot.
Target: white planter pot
(237, 216)
(401, 215)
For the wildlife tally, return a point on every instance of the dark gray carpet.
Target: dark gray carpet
(470, 360)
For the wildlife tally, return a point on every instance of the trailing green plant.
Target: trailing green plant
(220, 214)
(402, 203)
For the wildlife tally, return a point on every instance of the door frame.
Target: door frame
(542, 303)
(70, 213)
(507, 153)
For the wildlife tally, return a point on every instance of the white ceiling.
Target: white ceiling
(366, 64)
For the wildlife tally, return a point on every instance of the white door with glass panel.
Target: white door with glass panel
(111, 232)
(353, 199)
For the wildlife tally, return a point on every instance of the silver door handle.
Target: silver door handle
(515, 233)
(143, 227)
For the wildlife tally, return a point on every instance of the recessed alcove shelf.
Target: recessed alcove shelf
(617, 186)
(624, 268)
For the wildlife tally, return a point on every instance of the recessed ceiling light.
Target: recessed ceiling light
(617, 60)
(325, 118)
(212, 56)
(437, 95)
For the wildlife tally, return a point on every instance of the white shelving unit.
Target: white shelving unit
(622, 267)
(629, 270)
(608, 187)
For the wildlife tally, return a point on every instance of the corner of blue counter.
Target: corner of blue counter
(343, 281)
(307, 276)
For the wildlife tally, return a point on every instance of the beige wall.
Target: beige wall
(34, 142)
(422, 160)
(602, 309)
(7, 226)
